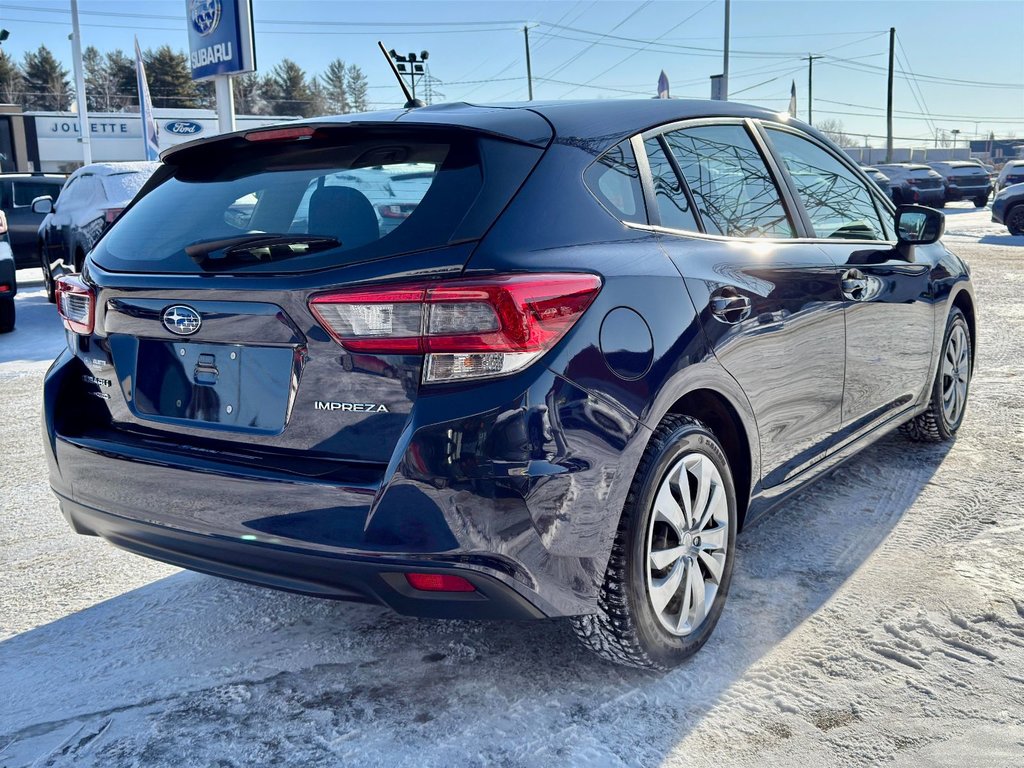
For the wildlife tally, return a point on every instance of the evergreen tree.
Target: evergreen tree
(249, 94)
(45, 81)
(291, 91)
(317, 100)
(356, 85)
(335, 84)
(109, 80)
(10, 80)
(170, 79)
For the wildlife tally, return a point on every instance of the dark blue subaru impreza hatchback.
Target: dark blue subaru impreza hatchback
(526, 361)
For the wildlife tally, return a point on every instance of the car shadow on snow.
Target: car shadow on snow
(196, 670)
(38, 335)
(1017, 240)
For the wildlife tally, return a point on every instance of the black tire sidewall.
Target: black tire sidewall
(1015, 213)
(947, 430)
(7, 315)
(664, 649)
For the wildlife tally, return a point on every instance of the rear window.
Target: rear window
(341, 196)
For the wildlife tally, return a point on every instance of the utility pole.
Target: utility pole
(529, 71)
(810, 86)
(80, 97)
(955, 132)
(725, 56)
(888, 103)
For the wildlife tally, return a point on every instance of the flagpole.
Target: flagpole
(81, 101)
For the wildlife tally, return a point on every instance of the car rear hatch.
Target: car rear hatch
(967, 176)
(205, 336)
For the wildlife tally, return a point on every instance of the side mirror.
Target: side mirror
(42, 204)
(917, 225)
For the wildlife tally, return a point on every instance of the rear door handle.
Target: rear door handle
(729, 306)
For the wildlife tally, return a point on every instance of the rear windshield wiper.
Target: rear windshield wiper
(259, 246)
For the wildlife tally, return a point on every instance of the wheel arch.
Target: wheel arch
(965, 303)
(723, 418)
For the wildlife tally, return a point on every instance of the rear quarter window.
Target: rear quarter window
(614, 180)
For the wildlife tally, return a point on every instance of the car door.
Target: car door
(771, 305)
(23, 223)
(56, 223)
(887, 298)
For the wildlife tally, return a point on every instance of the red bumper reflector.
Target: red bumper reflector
(438, 582)
(4, 287)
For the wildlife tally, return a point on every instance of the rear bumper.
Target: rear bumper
(529, 521)
(967, 193)
(924, 196)
(371, 580)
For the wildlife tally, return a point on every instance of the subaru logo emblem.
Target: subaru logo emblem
(204, 15)
(182, 320)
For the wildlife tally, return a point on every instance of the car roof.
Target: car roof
(597, 124)
(112, 169)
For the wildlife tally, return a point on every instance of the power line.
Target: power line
(578, 54)
(630, 56)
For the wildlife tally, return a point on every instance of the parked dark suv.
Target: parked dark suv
(965, 180)
(606, 336)
(17, 191)
(915, 183)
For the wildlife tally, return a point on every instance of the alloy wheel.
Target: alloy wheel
(956, 369)
(687, 539)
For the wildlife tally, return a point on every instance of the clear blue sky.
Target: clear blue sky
(476, 49)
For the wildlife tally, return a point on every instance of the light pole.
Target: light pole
(410, 66)
(954, 131)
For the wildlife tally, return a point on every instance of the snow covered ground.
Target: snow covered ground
(877, 618)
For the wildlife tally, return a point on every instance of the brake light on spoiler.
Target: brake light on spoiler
(468, 328)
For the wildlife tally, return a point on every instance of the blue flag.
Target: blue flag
(150, 132)
(663, 86)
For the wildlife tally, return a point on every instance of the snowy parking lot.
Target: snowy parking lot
(876, 618)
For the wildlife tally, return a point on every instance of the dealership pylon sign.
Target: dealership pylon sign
(220, 37)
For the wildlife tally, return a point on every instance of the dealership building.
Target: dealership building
(50, 141)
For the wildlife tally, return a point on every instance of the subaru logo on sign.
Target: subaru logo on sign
(183, 127)
(182, 320)
(205, 15)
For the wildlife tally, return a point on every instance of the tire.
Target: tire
(51, 295)
(981, 202)
(940, 422)
(7, 315)
(628, 629)
(1014, 219)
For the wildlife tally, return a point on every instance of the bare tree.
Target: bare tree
(833, 129)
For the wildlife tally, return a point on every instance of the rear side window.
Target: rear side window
(673, 207)
(729, 181)
(122, 187)
(838, 203)
(357, 194)
(614, 180)
(27, 191)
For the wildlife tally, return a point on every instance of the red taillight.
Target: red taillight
(468, 328)
(75, 304)
(396, 210)
(111, 214)
(438, 582)
(279, 134)
(4, 287)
